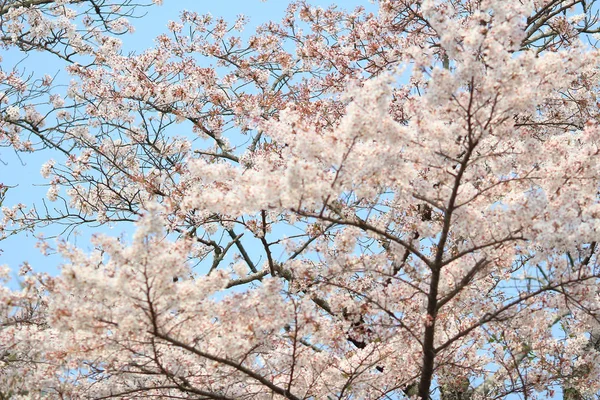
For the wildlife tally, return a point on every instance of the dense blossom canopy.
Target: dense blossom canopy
(395, 201)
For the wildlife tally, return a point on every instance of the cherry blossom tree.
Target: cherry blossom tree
(389, 202)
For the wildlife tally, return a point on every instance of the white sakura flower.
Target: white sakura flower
(13, 113)
(47, 168)
(102, 217)
(25, 269)
(211, 228)
(5, 272)
(52, 193)
(174, 26)
(240, 269)
(57, 101)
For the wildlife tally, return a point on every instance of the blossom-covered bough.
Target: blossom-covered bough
(398, 201)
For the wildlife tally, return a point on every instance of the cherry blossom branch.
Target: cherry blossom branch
(366, 227)
(248, 372)
(429, 352)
